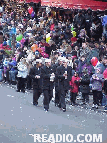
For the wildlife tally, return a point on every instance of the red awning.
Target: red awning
(28, 1)
(76, 4)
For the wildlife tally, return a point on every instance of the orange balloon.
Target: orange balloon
(40, 50)
(34, 47)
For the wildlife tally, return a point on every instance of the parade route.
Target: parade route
(19, 118)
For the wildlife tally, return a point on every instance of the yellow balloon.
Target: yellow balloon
(74, 33)
(47, 39)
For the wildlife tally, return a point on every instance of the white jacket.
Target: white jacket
(22, 70)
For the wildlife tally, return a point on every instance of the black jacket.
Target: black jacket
(84, 84)
(62, 81)
(37, 83)
(79, 20)
(46, 73)
(55, 70)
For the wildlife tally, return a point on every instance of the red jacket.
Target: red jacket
(105, 73)
(74, 85)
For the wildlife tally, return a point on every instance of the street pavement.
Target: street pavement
(19, 118)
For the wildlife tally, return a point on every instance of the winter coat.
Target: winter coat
(101, 66)
(105, 73)
(104, 20)
(46, 74)
(74, 83)
(54, 70)
(37, 83)
(97, 32)
(12, 65)
(62, 81)
(81, 66)
(79, 20)
(97, 83)
(84, 84)
(85, 51)
(1, 65)
(22, 70)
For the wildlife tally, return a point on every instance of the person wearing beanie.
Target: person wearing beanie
(97, 80)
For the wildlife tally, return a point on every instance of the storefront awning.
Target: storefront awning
(29, 1)
(75, 4)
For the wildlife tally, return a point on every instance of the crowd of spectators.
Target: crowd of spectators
(78, 36)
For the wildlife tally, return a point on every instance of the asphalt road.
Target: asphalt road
(19, 118)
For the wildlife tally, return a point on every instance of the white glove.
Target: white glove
(37, 76)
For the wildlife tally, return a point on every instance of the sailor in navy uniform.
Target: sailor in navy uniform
(48, 82)
(35, 74)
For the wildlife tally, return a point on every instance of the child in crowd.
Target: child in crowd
(74, 83)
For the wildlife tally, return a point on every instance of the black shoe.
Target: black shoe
(56, 104)
(64, 110)
(46, 110)
(13, 82)
(59, 105)
(29, 88)
(23, 91)
(17, 90)
(35, 104)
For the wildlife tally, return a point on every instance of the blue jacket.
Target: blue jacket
(12, 65)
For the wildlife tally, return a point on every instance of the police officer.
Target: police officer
(48, 83)
(64, 74)
(35, 74)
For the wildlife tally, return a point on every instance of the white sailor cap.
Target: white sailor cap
(38, 61)
(60, 58)
(65, 60)
(48, 61)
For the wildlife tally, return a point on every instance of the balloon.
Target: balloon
(94, 61)
(18, 45)
(22, 41)
(72, 28)
(1, 45)
(4, 43)
(19, 37)
(13, 31)
(48, 35)
(47, 39)
(32, 14)
(40, 50)
(36, 52)
(34, 47)
(44, 55)
(30, 10)
(74, 33)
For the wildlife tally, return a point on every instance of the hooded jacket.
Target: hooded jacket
(22, 70)
(74, 84)
(97, 81)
